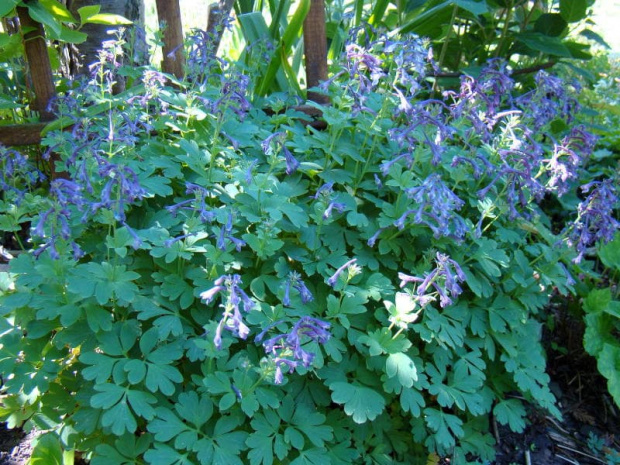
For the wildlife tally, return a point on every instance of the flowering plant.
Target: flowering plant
(209, 283)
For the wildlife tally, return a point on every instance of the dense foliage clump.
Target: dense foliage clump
(209, 282)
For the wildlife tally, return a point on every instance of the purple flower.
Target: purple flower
(595, 217)
(232, 319)
(234, 91)
(436, 208)
(288, 348)
(248, 172)
(275, 143)
(55, 223)
(210, 294)
(386, 165)
(122, 188)
(444, 279)
(236, 391)
(373, 239)
(198, 204)
(291, 162)
(405, 279)
(548, 101)
(324, 190)
(334, 278)
(16, 173)
(567, 156)
(338, 206)
(290, 365)
(294, 280)
(226, 234)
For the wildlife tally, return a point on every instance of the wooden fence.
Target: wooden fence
(168, 11)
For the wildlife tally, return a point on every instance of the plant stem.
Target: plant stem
(502, 40)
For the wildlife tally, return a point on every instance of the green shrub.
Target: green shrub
(212, 283)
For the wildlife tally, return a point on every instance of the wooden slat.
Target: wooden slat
(38, 63)
(169, 13)
(315, 48)
(15, 135)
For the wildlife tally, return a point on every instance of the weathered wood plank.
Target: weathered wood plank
(315, 48)
(15, 135)
(169, 12)
(38, 64)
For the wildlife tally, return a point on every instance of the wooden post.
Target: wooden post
(38, 63)
(315, 48)
(169, 12)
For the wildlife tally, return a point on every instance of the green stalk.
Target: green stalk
(444, 48)
(502, 40)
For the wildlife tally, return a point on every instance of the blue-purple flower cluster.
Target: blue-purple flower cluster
(595, 217)
(274, 144)
(232, 319)
(196, 205)
(444, 279)
(436, 207)
(294, 281)
(367, 66)
(226, 236)
(288, 348)
(15, 170)
(567, 157)
(550, 99)
(55, 223)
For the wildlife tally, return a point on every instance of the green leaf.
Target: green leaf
(194, 409)
(107, 396)
(7, 6)
(165, 455)
(597, 300)
(476, 7)
(411, 400)
(40, 14)
(120, 419)
(573, 10)
(542, 43)
(427, 16)
(401, 366)
(157, 185)
(162, 378)
(141, 402)
(58, 10)
(609, 366)
(176, 288)
(445, 426)
(312, 425)
(166, 426)
(86, 12)
(261, 449)
(47, 450)
(293, 30)
(136, 370)
(550, 24)
(512, 413)
(108, 19)
(361, 403)
(70, 36)
(377, 286)
(382, 341)
(591, 35)
(610, 253)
